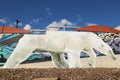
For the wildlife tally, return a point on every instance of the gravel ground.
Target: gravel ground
(60, 74)
(106, 69)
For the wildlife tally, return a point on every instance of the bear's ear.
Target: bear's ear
(102, 45)
(110, 51)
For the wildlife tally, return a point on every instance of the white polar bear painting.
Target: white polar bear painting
(57, 43)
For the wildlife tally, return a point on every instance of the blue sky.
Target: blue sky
(41, 13)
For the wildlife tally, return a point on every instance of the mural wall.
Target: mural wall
(8, 42)
(112, 39)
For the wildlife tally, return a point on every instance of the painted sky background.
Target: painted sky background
(42, 13)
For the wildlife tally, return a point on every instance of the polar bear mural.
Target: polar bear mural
(56, 42)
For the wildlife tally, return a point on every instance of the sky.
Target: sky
(39, 14)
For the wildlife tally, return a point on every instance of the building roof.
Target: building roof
(97, 28)
(8, 29)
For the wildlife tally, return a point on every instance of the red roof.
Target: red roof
(8, 29)
(97, 28)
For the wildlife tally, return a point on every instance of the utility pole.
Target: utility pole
(17, 22)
